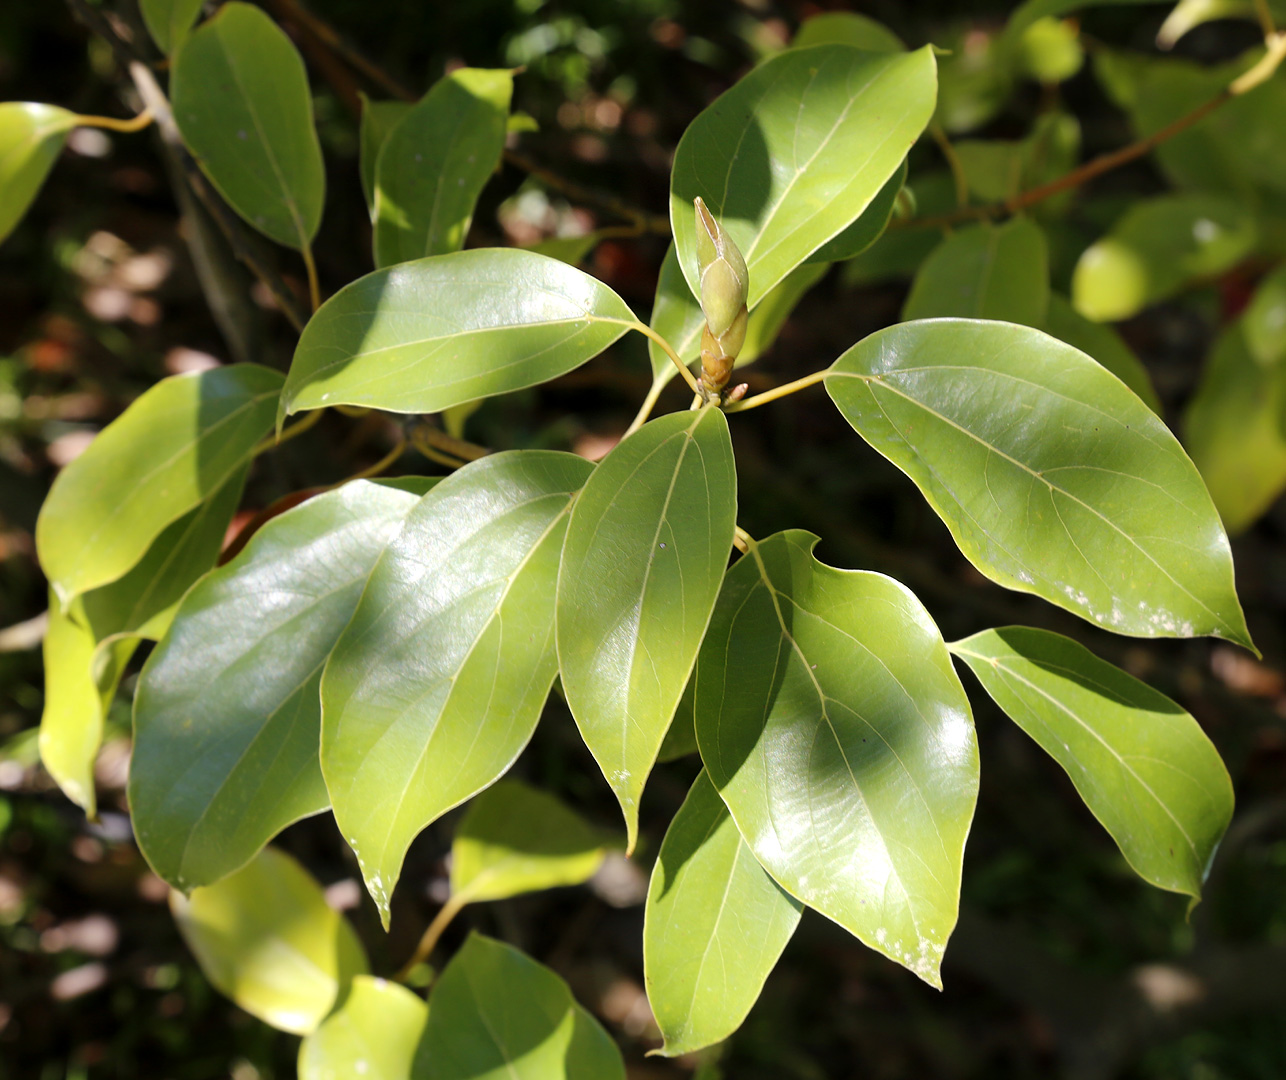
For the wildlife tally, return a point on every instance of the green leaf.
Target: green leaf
(681, 739)
(714, 925)
(864, 231)
(517, 839)
(423, 336)
(31, 138)
(496, 1014)
(1235, 429)
(379, 118)
(166, 454)
(985, 271)
(266, 938)
(1049, 50)
(1029, 12)
(569, 249)
(846, 28)
(781, 190)
(1157, 248)
(645, 553)
(1053, 478)
(373, 1035)
(1104, 344)
(435, 163)
(1264, 320)
(169, 21)
(242, 104)
(227, 719)
(898, 254)
(1143, 766)
(833, 726)
(998, 169)
(438, 681)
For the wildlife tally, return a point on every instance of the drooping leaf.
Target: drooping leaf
(644, 557)
(423, 336)
(985, 271)
(1143, 766)
(31, 138)
(833, 726)
(168, 21)
(1104, 344)
(435, 162)
(227, 720)
(438, 681)
(518, 839)
(379, 118)
(715, 924)
(242, 104)
(266, 938)
(846, 28)
(1052, 477)
(782, 189)
(166, 454)
(496, 1014)
(373, 1035)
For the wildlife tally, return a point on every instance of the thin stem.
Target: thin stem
(1263, 70)
(426, 449)
(429, 941)
(271, 442)
(1266, 22)
(953, 162)
(742, 540)
(310, 264)
(688, 377)
(449, 444)
(378, 467)
(134, 123)
(777, 392)
(645, 410)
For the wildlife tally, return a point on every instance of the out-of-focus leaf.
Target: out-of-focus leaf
(31, 138)
(898, 254)
(372, 1036)
(681, 739)
(569, 249)
(998, 169)
(1189, 14)
(1104, 344)
(975, 80)
(1049, 50)
(1264, 320)
(847, 28)
(168, 21)
(379, 118)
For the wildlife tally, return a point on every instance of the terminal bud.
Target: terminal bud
(725, 284)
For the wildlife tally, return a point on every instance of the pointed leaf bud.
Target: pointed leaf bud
(725, 282)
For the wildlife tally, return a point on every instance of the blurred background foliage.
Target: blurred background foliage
(1064, 963)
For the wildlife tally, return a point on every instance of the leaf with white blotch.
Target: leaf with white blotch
(1143, 766)
(267, 939)
(423, 336)
(1104, 344)
(373, 1035)
(166, 454)
(31, 138)
(782, 189)
(169, 21)
(714, 925)
(227, 722)
(644, 557)
(1053, 478)
(244, 109)
(435, 163)
(496, 1014)
(438, 681)
(379, 118)
(517, 839)
(836, 731)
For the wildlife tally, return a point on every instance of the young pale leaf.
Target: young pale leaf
(266, 938)
(379, 118)
(227, 722)
(834, 727)
(846, 28)
(646, 549)
(1053, 478)
(426, 335)
(985, 271)
(440, 677)
(517, 839)
(169, 21)
(1104, 344)
(435, 162)
(31, 138)
(714, 926)
(1143, 766)
(373, 1035)
(166, 454)
(496, 1014)
(780, 188)
(242, 104)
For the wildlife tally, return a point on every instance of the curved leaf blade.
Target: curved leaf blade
(379, 118)
(1142, 764)
(714, 925)
(644, 557)
(1053, 478)
(836, 731)
(168, 21)
(31, 138)
(373, 1035)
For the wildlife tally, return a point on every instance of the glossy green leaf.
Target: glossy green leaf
(644, 557)
(865, 230)
(1104, 344)
(833, 725)
(1235, 429)
(846, 28)
(780, 188)
(1264, 321)
(169, 21)
(1143, 766)
(372, 1036)
(266, 938)
(227, 719)
(438, 681)
(423, 336)
(166, 454)
(496, 1014)
(985, 271)
(435, 163)
(379, 118)
(714, 925)
(1053, 478)
(242, 103)
(31, 138)
(518, 839)
(1158, 247)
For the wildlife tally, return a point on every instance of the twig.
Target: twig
(449, 444)
(777, 392)
(642, 220)
(430, 939)
(110, 123)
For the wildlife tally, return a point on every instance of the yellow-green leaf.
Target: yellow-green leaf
(31, 137)
(374, 1035)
